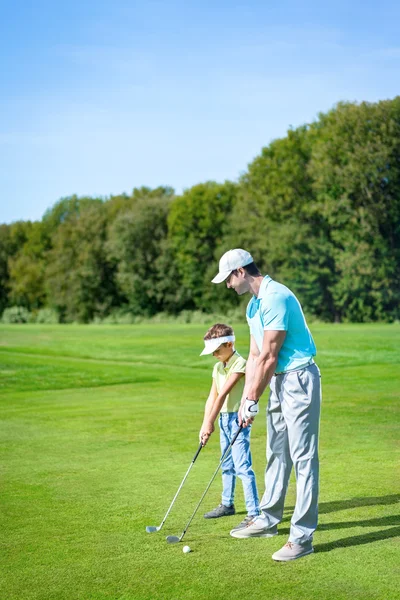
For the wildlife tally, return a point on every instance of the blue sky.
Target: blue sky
(99, 97)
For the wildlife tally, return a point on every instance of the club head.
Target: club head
(173, 539)
(151, 528)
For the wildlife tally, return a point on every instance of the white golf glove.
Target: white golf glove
(250, 409)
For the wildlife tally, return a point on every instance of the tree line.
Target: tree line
(319, 210)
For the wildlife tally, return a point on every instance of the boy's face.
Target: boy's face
(224, 352)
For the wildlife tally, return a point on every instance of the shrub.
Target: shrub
(16, 314)
(118, 316)
(47, 315)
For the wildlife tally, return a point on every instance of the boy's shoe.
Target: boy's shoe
(254, 527)
(220, 511)
(291, 551)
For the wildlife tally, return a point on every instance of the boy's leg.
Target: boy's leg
(279, 462)
(242, 462)
(227, 467)
(226, 508)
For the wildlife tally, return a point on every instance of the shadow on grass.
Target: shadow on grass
(337, 505)
(358, 540)
(378, 522)
(340, 505)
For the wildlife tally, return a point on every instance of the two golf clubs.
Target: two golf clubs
(174, 539)
(153, 528)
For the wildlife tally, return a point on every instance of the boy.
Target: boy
(224, 400)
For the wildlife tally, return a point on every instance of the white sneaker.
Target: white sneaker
(291, 551)
(257, 527)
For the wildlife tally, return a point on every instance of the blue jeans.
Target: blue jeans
(237, 463)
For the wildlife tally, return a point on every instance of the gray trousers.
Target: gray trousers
(292, 440)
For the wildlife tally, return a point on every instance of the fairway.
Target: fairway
(99, 425)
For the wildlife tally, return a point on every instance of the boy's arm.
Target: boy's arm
(215, 408)
(212, 396)
(211, 399)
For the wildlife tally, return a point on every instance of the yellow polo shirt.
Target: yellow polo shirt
(221, 372)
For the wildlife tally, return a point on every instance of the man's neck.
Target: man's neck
(255, 284)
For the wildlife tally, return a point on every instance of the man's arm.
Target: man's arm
(251, 364)
(266, 363)
(262, 366)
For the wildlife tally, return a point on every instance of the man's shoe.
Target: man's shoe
(220, 511)
(291, 551)
(244, 523)
(254, 527)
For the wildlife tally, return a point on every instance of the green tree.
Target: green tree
(12, 239)
(137, 244)
(356, 181)
(318, 209)
(5, 252)
(27, 268)
(197, 223)
(162, 191)
(79, 277)
(122, 203)
(275, 218)
(65, 209)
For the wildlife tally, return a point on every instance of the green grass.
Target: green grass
(98, 427)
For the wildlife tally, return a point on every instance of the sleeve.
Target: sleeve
(240, 365)
(275, 315)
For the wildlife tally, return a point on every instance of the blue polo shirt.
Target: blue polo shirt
(276, 308)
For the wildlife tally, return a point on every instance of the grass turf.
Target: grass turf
(98, 427)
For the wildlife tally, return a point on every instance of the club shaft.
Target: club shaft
(181, 486)
(211, 480)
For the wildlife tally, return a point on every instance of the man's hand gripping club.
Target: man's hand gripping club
(248, 410)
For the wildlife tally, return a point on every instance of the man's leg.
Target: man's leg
(301, 407)
(277, 472)
(279, 462)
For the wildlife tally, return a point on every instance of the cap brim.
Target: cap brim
(205, 352)
(211, 346)
(220, 277)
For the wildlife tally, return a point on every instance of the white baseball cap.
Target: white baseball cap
(230, 261)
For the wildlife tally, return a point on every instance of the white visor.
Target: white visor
(211, 346)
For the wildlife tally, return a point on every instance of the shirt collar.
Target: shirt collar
(263, 286)
(231, 360)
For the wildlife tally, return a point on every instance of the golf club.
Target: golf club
(173, 539)
(153, 528)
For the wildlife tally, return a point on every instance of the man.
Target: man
(281, 355)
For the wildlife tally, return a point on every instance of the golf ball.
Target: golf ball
(186, 549)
